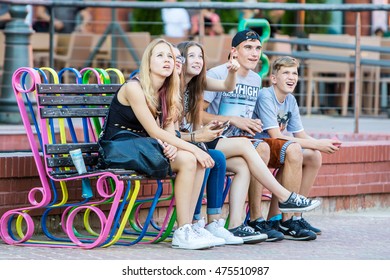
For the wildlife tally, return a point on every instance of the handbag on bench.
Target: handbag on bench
(131, 151)
(128, 150)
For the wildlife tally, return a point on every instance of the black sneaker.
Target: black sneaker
(274, 224)
(263, 226)
(298, 203)
(293, 230)
(305, 224)
(248, 234)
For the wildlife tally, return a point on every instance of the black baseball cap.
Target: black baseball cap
(243, 36)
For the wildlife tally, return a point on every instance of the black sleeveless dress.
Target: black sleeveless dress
(121, 117)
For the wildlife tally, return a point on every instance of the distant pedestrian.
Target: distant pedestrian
(211, 21)
(176, 21)
(67, 19)
(4, 15)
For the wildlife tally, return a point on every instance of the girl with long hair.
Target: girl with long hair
(148, 105)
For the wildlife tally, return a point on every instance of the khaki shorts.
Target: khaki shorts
(278, 149)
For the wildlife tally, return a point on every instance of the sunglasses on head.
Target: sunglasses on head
(252, 35)
(180, 59)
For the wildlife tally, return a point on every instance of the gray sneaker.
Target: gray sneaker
(248, 234)
(298, 203)
(198, 227)
(217, 229)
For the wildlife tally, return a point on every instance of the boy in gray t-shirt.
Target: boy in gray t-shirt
(275, 114)
(278, 110)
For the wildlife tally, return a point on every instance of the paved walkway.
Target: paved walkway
(352, 246)
(346, 236)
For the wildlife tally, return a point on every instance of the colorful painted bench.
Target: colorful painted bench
(96, 208)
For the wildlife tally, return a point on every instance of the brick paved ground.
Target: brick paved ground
(352, 246)
(346, 236)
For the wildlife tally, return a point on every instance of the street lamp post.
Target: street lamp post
(18, 53)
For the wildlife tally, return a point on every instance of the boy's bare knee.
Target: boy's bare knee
(264, 152)
(294, 154)
(313, 158)
(317, 158)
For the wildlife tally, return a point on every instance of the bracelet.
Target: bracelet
(192, 134)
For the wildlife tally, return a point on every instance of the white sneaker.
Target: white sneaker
(185, 238)
(198, 227)
(217, 229)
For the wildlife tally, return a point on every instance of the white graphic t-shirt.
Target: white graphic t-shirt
(239, 102)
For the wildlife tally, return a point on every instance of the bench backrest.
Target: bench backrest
(77, 112)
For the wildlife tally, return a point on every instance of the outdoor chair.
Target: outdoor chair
(128, 58)
(328, 71)
(370, 77)
(77, 53)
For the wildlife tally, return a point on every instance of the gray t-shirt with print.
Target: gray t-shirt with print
(239, 102)
(274, 114)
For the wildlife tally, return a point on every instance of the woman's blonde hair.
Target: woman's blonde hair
(167, 102)
(196, 86)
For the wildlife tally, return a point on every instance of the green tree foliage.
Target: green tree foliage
(229, 18)
(148, 20)
(315, 21)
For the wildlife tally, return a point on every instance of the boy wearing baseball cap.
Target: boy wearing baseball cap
(237, 106)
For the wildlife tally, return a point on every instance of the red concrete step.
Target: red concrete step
(13, 138)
